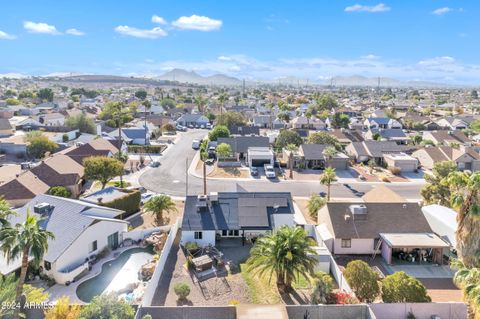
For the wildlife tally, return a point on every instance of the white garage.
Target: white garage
(405, 162)
(259, 156)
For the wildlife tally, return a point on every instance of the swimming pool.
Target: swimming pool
(116, 275)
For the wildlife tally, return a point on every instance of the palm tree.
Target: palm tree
(201, 102)
(21, 241)
(5, 212)
(329, 152)
(159, 204)
(222, 98)
(285, 253)
(468, 279)
(465, 198)
(327, 178)
(147, 107)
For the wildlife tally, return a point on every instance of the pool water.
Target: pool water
(116, 275)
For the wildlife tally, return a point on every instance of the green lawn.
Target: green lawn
(97, 185)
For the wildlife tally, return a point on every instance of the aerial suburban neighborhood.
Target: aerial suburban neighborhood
(184, 194)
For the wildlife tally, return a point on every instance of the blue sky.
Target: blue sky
(414, 40)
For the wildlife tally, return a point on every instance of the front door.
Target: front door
(113, 241)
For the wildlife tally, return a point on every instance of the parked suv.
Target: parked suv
(269, 171)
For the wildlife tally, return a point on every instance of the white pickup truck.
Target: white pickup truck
(269, 171)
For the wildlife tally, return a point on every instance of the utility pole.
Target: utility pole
(186, 177)
(204, 178)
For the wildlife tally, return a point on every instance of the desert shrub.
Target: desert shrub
(182, 290)
(395, 170)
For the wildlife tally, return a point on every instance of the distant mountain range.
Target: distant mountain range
(184, 76)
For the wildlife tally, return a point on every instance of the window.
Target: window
(198, 235)
(346, 243)
(224, 233)
(47, 265)
(93, 246)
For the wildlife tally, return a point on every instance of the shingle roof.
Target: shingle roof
(313, 151)
(381, 218)
(5, 124)
(240, 144)
(236, 211)
(68, 219)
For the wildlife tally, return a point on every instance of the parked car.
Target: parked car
(145, 197)
(202, 126)
(154, 164)
(253, 171)
(196, 144)
(181, 128)
(270, 171)
(209, 126)
(210, 161)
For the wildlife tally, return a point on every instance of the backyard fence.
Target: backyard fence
(142, 233)
(153, 283)
(444, 310)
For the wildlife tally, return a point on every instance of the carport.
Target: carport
(259, 156)
(417, 248)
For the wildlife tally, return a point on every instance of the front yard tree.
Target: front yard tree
(287, 137)
(323, 138)
(400, 287)
(231, 119)
(45, 94)
(224, 150)
(314, 204)
(102, 169)
(141, 94)
(285, 253)
(327, 178)
(22, 241)
(39, 144)
(340, 120)
(107, 306)
(60, 191)
(218, 131)
(363, 280)
(201, 103)
(437, 189)
(159, 204)
(82, 123)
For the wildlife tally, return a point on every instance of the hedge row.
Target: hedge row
(130, 203)
(150, 149)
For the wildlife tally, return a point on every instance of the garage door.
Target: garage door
(408, 167)
(260, 162)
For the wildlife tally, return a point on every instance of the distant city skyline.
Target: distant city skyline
(436, 41)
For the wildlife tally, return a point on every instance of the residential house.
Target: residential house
(52, 119)
(452, 123)
(303, 122)
(13, 145)
(466, 158)
(404, 162)
(268, 121)
(133, 135)
(259, 156)
(82, 230)
(447, 137)
(312, 156)
(346, 136)
(240, 144)
(395, 135)
(214, 217)
(6, 128)
(382, 123)
(195, 120)
(382, 223)
(244, 130)
(367, 150)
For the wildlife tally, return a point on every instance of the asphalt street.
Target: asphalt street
(170, 178)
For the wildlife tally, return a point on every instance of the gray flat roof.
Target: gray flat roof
(414, 240)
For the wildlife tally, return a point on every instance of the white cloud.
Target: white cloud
(75, 32)
(6, 36)
(154, 33)
(381, 7)
(437, 61)
(441, 11)
(40, 27)
(370, 57)
(158, 20)
(195, 22)
(224, 58)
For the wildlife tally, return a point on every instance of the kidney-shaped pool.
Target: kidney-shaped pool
(116, 275)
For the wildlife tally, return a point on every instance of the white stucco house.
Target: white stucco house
(81, 229)
(208, 218)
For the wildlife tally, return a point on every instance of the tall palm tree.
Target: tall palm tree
(465, 199)
(327, 178)
(21, 241)
(222, 98)
(201, 102)
(285, 253)
(5, 212)
(159, 204)
(468, 279)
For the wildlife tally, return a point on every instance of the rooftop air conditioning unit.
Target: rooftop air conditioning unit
(213, 196)
(42, 209)
(358, 211)
(202, 201)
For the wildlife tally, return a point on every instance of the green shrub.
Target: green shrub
(395, 170)
(65, 138)
(400, 287)
(150, 149)
(182, 290)
(60, 191)
(130, 203)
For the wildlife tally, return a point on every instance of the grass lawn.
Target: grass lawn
(97, 185)
(261, 290)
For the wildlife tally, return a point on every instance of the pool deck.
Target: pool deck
(57, 291)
